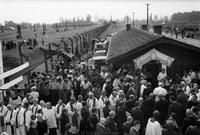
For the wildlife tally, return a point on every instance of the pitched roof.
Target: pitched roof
(127, 40)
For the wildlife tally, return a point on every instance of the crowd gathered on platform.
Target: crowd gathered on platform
(93, 101)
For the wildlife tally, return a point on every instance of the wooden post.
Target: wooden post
(2, 30)
(72, 45)
(43, 29)
(51, 58)
(19, 31)
(34, 28)
(57, 28)
(20, 52)
(46, 61)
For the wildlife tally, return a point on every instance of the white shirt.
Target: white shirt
(59, 112)
(159, 90)
(161, 76)
(35, 95)
(3, 110)
(50, 116)
(85, 85)
(142, 89)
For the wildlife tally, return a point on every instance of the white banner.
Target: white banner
(11, 83)
(13, 71)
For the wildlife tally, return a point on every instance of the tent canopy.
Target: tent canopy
(153, 55)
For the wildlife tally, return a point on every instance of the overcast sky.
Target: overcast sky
(49, 11)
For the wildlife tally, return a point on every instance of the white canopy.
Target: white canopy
(153, 55)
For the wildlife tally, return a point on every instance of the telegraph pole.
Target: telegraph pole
(133, 19)
(147, 16)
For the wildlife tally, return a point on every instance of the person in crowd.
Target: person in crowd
(64, 120)
(153, 126)
(61, 90)
(159, 90)
(121, 115)
(101, 103)
(127, 125)
(92, 101)
(3, 110)
(131, 90)
(93, 120)
(34, 94)
(101, 127)
(10, 119)
(32, 130)
(192, 101)
(162, 75)
(41, 125)
(14, 99)
(85, 118)
(27, 116)
(19, 121)
(50, 117)
(130, 103)
(147, 91)
(187, 78)
(110, 123)
(134, 130)
(169, 129)
(112, 99)
(106, 109)
(35, 107)
(194, 130)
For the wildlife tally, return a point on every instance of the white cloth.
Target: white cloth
(59, 112)
(153, 128)
(85, 85)
(50, 116)
(161, 76)
(8, 117)
(14, 102)
(102, 101)
(159, 90)
(90, 103)
(34, 109)
(116, 83)
(35, 95)
(112, 103)
(142, 89)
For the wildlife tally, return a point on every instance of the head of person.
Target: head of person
(195, 110)
(48, 105)
(94, 110)
(107, 103)
(1, 104)
(103, 93)
(72, 99)
(35, 102)
(33, 124)
(156, 115)
(160, 84)
(42, 103)
(149, 84)
(9, 107)
(26, 105)
(114, 94)
(172, 99)
(91, 95)
(163, 70)
(136, 124)
(64, 112)
(103, 121)
(169, 125)
(80, 98)
(39, 117)
(33, 117)
(112, 114)
(198, 123)
(130, 119)
(84, 103)
(188, 112)
(195, 85)
(60, 102)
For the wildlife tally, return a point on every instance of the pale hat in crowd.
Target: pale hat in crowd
(90, 93)
(160, 84)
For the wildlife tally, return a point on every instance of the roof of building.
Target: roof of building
(127, 40)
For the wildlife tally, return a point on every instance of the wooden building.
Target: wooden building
(139, 49)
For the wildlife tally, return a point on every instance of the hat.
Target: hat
(160, 84)
(90, 93)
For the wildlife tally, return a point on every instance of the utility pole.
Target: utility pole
(133, 19)
(147, 16)
(127, 19)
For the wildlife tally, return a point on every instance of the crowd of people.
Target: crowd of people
(82, 100)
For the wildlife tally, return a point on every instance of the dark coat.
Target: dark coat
(146, 92)
(41, 127)
(167, 132)
(176, 108)
(147, 108)
(162, 106)
(64, 119)
(76, 88)
(100, 130)
(133, 132)
(126, 127)
(106, 111)
(32, 131)
(93, 122)
(193, 130)
(189, 121)
(121, 115)
(85, 122)
(110, 124)
(137, 114)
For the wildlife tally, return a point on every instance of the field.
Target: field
(36, 54)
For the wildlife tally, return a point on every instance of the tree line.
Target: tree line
(193, 16)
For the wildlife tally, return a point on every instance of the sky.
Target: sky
(49, 11)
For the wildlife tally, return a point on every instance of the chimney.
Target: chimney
(128, 26)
